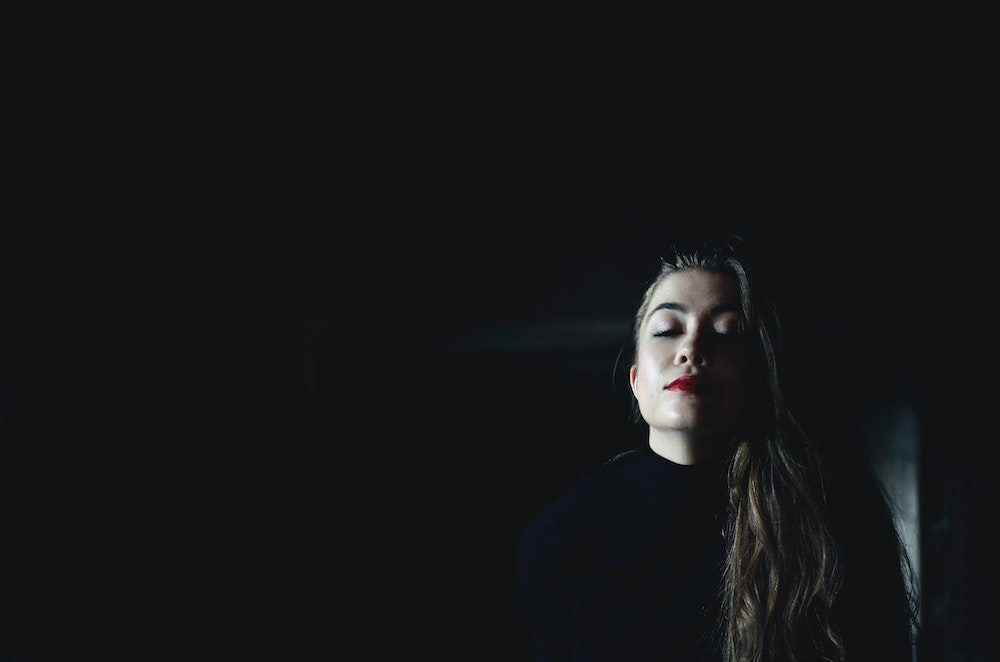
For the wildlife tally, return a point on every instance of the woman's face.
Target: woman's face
(692, 376)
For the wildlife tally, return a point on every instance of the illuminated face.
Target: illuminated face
(692, 374)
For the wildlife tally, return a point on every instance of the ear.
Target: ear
(631, 379)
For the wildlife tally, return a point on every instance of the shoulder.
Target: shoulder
(593, 503)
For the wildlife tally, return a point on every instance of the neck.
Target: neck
(685, 447)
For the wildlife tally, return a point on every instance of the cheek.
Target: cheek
(740, 378)
(648, 379)
(653, 358)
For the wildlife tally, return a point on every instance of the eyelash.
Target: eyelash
(670, 333)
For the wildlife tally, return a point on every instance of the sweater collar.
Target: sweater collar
(659, 482)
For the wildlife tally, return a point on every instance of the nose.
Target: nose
(692, 350)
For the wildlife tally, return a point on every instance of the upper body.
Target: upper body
(728, 535)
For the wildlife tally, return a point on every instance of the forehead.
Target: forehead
(696, 290)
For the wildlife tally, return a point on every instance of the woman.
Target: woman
(730, 534)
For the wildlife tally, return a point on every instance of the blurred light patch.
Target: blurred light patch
(891, 436)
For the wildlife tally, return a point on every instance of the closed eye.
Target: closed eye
(731, 336)
(670, 333)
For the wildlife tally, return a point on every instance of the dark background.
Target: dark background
(288, 360)
(222, 450)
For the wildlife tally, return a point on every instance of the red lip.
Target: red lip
(686, 384)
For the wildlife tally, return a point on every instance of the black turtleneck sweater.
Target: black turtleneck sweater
(626, 567)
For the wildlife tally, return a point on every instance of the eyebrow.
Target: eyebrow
(714, 310)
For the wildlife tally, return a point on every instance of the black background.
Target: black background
(226, 451)
(288, 362)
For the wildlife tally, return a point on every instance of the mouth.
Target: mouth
(688, 384)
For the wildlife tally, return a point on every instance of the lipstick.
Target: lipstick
(685, 384)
